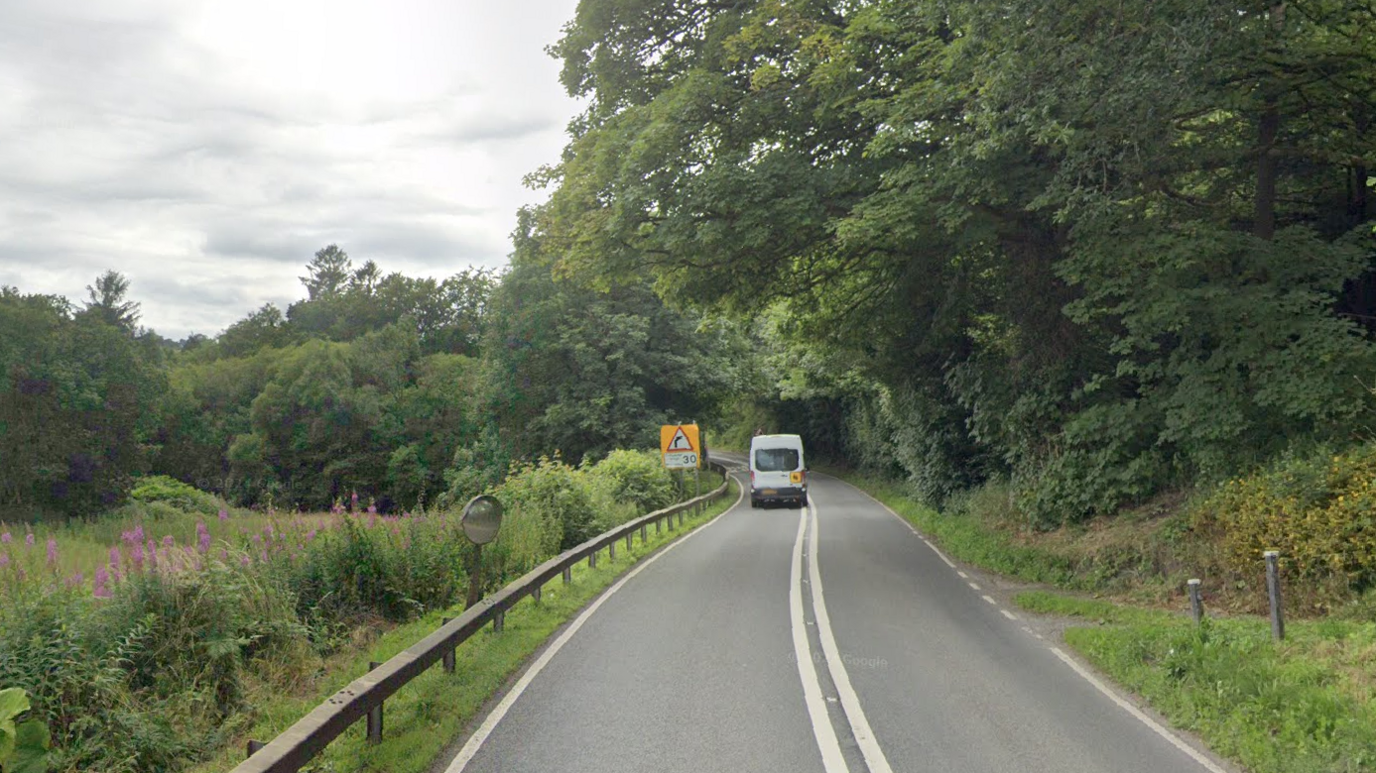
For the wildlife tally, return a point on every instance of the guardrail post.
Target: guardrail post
(680, 517)
(1196, 603)
(499, 622)
(644, 534)
(611, 551)
(568, 575)
(592, 560)
(1273, 590)
(448, 659)
(658, 523)
(375, 715)
(535, 594)
(630, 539)
(254, 746)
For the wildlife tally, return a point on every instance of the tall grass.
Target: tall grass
(138, 635)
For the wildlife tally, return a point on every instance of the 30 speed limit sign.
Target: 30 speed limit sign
(681, 460)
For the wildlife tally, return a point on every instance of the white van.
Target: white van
(777, 471)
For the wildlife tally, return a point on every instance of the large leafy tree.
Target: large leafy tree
(1105, 240)
(79, 400)
(586, 370)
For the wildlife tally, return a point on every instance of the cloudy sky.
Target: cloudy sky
(207, 148)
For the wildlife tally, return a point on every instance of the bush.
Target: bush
(557, 496)
(637, 478)
(394, 568)
(1316, 509)
(160, 488)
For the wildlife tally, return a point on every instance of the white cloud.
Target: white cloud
(207, 148)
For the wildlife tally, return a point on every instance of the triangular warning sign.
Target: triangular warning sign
(680, 441)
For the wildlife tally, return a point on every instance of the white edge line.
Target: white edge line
(475, 742)
(855, 715)
(1136, 712)
(832, 759)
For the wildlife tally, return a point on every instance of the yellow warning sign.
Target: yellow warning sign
(678, 443)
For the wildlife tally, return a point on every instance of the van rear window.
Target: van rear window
(776, 459)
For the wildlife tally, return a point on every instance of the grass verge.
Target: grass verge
(1305, 705)
(967, 537)
(427, 714)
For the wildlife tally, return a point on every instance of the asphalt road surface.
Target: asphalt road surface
(830, 639)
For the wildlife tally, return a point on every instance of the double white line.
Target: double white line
(822, 730)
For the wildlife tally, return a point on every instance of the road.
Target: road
(831, 639)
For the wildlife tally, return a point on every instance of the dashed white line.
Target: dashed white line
(963, 575)
(1156, 727)
(990, 599)
(973, 585)
(1008, 614)
(855, 714)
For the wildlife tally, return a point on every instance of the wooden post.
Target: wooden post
(1196, 603)
(568, 575)
(1273, 590)
(449, 655)
(375, 716)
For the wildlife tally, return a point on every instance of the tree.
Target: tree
(107, 301)
(1091, 237)
(328, 273)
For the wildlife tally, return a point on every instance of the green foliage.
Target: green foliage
(78, 403)
(637, 478)
(1098, 249)
(554, 494)
(393, 568)
(1315, 508)
(23, 745)
(1275, 709)
(160, 488)
(583, 371)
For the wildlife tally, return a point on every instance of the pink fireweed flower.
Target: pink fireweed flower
(224, 516)
(224, 555)
(52, 552)
(245, 561)
(6, 538)
(76, 580)
(139, 536)
(4, 560)
(264, 556)
(372, 509)
(153, 554)
(102, 579)
(169, 542)
(116, 556)
(136, 555)
(353, 501)
(28, 540)
(203, 537)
